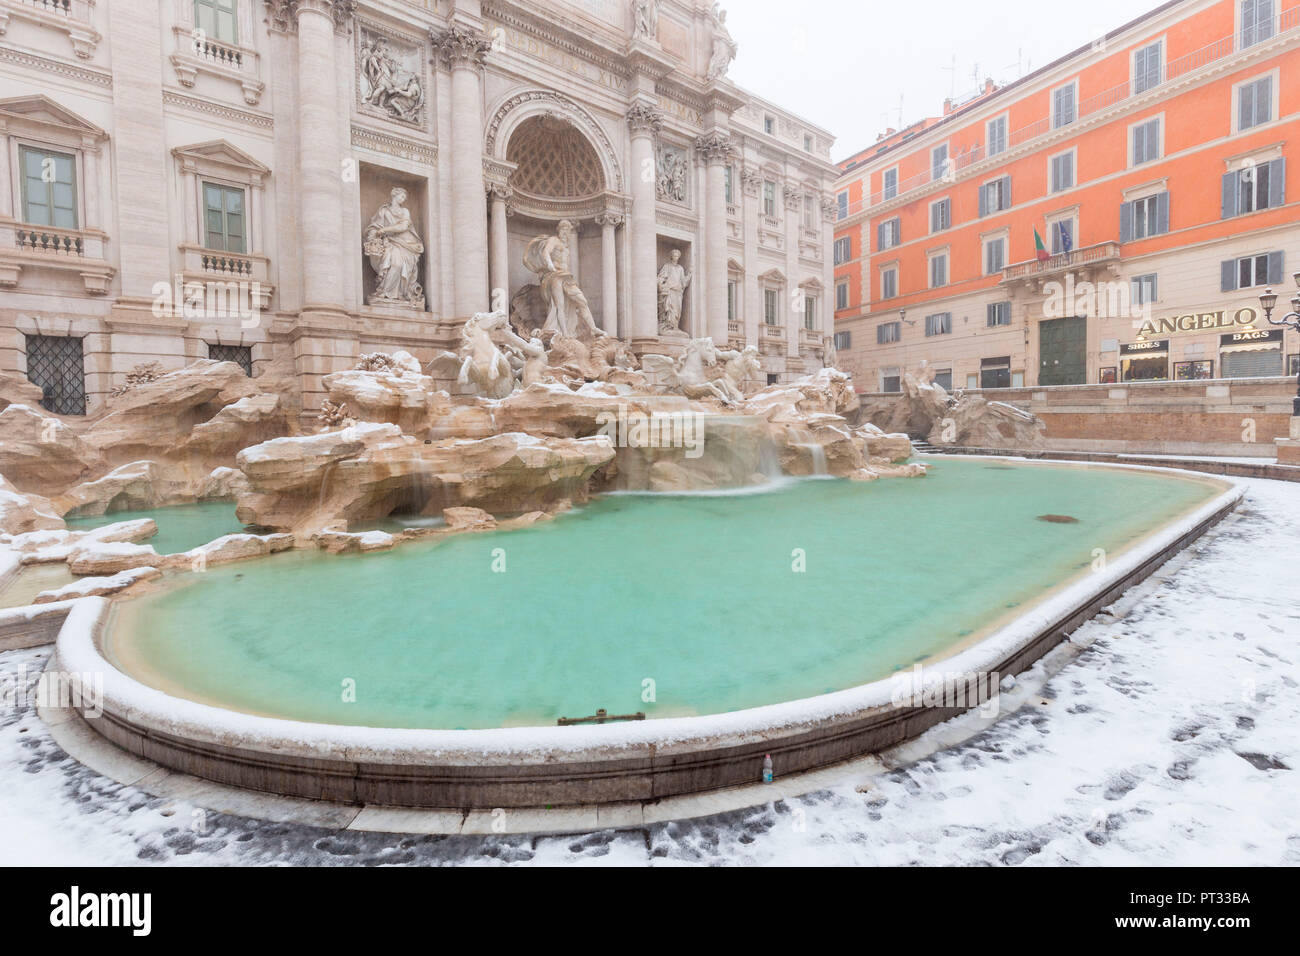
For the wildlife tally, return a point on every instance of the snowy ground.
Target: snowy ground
(1171, 740)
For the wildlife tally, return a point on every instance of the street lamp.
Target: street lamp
(1291, 321)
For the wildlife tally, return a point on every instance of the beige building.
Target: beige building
(184, 179)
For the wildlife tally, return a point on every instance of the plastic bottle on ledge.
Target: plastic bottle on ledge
(767, 768)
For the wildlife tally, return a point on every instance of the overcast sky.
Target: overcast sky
(843, 64)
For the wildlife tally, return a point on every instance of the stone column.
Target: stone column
(6, 194)
(716, 150)
(320, 200)
(609, 223)
(792, 198)
(465, 49)
(499, 196)
(645, 121)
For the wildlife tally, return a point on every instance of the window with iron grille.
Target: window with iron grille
(57, 366)
(241, 355)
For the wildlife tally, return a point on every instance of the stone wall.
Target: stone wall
(1238, 417)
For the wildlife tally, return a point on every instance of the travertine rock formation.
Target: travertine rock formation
(926, 410)
(41, 454)
(323, 482)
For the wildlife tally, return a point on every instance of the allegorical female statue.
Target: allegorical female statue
(645, 19)
(673, 280)
(394, 249)
(724, 47)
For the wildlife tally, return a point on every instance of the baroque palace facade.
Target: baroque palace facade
(305, 181)
(1157, 166)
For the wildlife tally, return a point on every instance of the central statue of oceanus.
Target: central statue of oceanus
(568, 313)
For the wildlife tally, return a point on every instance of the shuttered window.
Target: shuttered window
(889, 283)
(939, 162)
(1144, 289)
(842, 340)
(1256, 21)
(888, 234)
(995, 196)
(1063, 106)
(1148, 67)
(999, 313)
(842, 296)
(1062, 172)
(890, 183)
(938, 271)
(997, 134)
(1254, 187)
(1249, 271)
(1254, 103)
(940, 215)
(1145, 217)
(1146, 142)
(995, 256)
(938, 324)
(888, 332)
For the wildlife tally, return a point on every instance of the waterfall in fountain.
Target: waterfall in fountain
(720, 452)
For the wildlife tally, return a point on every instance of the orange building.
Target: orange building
(1157, 165)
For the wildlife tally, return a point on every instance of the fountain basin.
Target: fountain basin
(429, 763)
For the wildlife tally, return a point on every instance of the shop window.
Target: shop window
(1144, 361)
(1193, 371)
(1255, 353)
(995, 372)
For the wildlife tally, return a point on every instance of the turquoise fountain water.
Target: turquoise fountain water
(703, 603)
(179, 528)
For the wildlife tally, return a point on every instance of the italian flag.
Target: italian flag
(1040, 250)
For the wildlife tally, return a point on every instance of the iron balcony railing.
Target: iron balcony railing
(1206, 56)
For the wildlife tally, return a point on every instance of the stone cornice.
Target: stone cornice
(382, 142)
(49, 65)
(555, 29)
(199, 105)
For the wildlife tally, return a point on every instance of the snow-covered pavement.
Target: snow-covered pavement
(1173, 739)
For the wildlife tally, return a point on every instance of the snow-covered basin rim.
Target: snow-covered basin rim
(148, 709)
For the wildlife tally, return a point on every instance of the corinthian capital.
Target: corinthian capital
(282, 15)
(714, 147)
(462, 46)
(643, 117)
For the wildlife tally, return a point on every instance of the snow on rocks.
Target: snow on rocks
(20, 513)
(344, 542)
(135, 486)
(231, 547)
(108, 558)
(98, 586)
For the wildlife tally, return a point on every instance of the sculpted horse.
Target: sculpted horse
(483, 365)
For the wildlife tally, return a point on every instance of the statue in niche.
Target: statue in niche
(645, 19)
(568, 313)
(724, 47)
(394, 89)
(394, 249)
(673, 280)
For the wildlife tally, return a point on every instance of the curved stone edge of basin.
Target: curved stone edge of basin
(559, 766)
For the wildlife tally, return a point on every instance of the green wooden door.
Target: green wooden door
(1063, 351)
